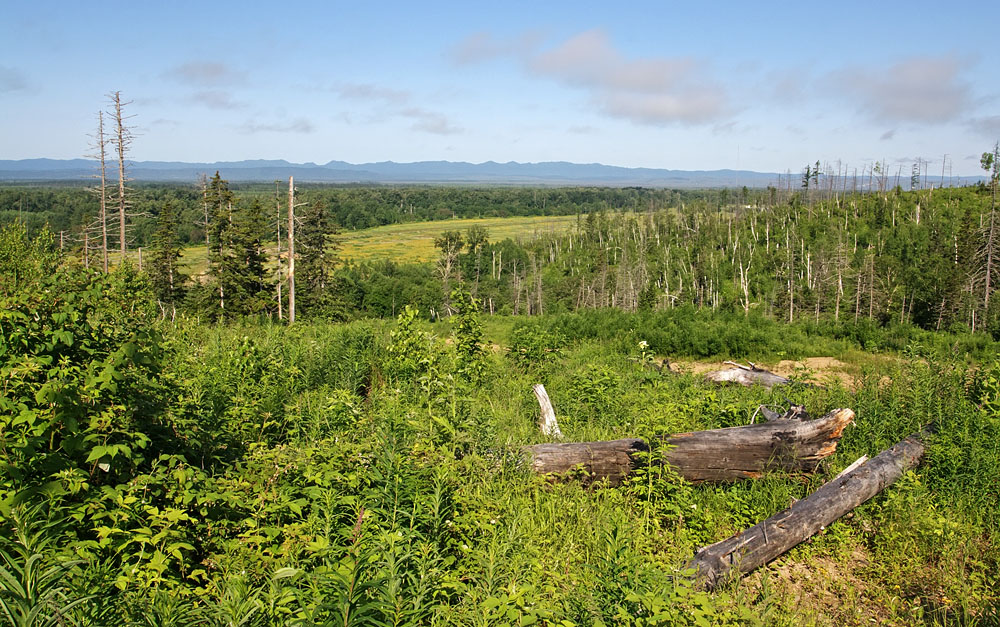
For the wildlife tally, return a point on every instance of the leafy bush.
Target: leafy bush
(532, 345)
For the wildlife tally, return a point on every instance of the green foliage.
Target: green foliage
(239, 285)
(532, 345)
(80, 365)
(24, 260)
(368, 473)
(409, 352)
(469, 349)
(164, 274)
(316, 250)
(35, 586)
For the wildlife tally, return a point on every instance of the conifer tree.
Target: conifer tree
(168, 282)
(241, 271)
(237, 258)
(316, 258)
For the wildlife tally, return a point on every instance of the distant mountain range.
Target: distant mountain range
(389, 172)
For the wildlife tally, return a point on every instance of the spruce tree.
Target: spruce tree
(236, 255)
(241, 271)
(316, 252)
(168, 282)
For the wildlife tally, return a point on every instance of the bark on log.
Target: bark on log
(716, 455)
(773, 537)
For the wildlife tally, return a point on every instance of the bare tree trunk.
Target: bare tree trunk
(989, 256)
(204, 206)
(102, 151)
(121, 140)
(277, 209)
(778, 534)
(278, 286)
(871, 287)
(547, 420)
(291, 251)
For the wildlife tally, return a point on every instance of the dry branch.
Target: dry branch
(775, 536)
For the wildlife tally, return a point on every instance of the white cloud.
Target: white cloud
(430, 121)
(988, 126)
(917, 89)
(397, 103)
(11, 79)
(589, 60)
(483, 46)
(216, 99)
(647, 91)
(298, 125)
(372, 93)
(205, 74)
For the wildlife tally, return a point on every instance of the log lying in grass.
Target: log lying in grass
(716, 455)
(749, 375)
(773, 537)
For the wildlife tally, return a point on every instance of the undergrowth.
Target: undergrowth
(371, 474)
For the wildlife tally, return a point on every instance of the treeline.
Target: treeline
(69, 209)
(925, 257)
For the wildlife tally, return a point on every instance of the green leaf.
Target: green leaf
(96, 453)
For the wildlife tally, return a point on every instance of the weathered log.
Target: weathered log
(717, 455)
(749, 375)
(773, 537)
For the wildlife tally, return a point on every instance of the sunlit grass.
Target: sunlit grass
(403, 243)
(414, 242)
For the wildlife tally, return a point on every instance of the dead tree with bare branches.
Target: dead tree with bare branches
(121, 139)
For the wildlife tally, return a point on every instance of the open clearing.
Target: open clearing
(821, 370)
(412, 242)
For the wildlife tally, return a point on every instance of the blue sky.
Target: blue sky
(639, 84)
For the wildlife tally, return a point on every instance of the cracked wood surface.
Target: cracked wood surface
(778, 534)
(726, 454)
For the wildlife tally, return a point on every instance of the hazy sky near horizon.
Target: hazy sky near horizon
(693, 85)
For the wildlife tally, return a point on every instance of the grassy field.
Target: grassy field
(414, 241)
(405, 243)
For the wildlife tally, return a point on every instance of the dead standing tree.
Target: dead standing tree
(101, 224)
(122, 141)
(291, 251)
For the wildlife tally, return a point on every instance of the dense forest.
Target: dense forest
(71, 209)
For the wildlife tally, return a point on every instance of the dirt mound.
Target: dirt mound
(821, 370)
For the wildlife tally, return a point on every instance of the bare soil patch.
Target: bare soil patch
(821, 370)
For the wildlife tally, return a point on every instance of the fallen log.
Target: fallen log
(749, 375)
(773, 537)
(729, 454)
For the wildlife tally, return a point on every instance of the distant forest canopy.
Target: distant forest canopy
(67, 208)
(808, 253)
